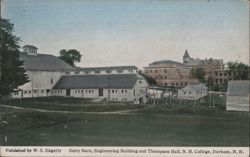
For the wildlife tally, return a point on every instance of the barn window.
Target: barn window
(122, 91)
(184, 92)
(25, 92)
(79, 91)
(77, 72)
(29, 91)
(125, 90)
(140, 81)
(190, 92)
(89, 91)
(51, 81)
(113, 91)
(41, 91)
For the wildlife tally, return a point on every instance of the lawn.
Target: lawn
(152, 125)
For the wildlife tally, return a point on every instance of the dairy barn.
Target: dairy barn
(50, 76)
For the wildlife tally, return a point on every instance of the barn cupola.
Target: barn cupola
(30, 49)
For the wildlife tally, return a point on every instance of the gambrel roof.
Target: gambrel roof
(43, 62)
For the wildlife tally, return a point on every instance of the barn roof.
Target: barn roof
(97, 81)
(238, 88)
(43, 62)
(195, 86)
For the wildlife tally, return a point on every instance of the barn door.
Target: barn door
(100, 92)
(68, 92)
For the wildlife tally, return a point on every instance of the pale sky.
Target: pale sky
(133, 32)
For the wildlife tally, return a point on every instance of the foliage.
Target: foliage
(198, 73)
(240, 70)
(70, 56)
(12, 72)
(150, 80)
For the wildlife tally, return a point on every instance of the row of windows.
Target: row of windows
(82, 91)
(155, 71)
(92, 91)
(176, 84)
(29, 92)
(115, 91)
(99, 72)
(56, 91)
(160, 77)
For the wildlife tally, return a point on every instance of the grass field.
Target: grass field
(151, 125)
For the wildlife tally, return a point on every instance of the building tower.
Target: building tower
(186, 57)
(30, 50)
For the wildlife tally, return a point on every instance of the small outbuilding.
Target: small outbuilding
(192, 92)
(238, 96)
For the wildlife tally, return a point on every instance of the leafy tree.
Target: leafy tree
(12, 72)
(150, 80)
(198, 73)
(71, 56)
(240, 70)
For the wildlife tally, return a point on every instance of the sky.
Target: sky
(133, 32)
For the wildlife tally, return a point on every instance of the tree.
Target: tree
(150, 80)
(240, 70)
(71, 56)
(198, 73)
(12, 71)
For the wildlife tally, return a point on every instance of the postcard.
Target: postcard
(124, 78)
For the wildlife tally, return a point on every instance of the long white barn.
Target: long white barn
(113, 87)
(50, 76)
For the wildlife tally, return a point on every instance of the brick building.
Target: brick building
(169, 73)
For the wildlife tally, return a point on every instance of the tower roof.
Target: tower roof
(186, 54)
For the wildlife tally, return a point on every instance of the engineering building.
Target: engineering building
(169, 73)
(50, 76)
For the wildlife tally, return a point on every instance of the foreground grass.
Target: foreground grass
(152, 125)
(71, 104)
